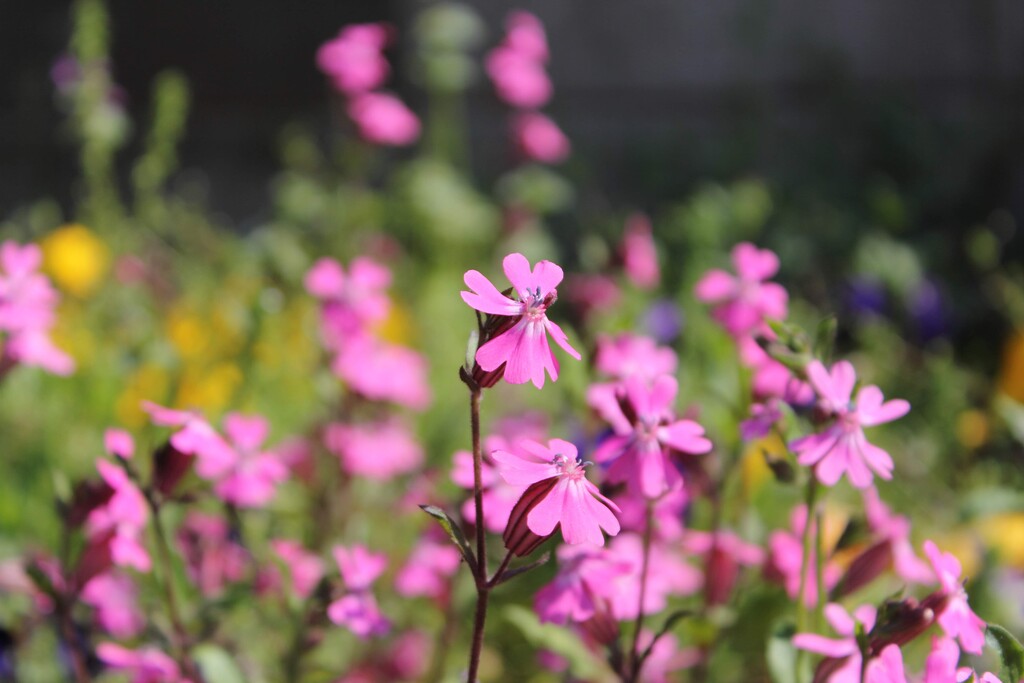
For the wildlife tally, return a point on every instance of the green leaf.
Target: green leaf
(1011, 652)
(825, 339)
(783, 658)
(217, 665)
(582, 663)
(454, 532)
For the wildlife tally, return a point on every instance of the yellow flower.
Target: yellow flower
(755, 467)
(397, 327)
(972, 428)
(1011, 374)
(75, 258)
(1005, 533)
(209, 389)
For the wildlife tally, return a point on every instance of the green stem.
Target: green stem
(635, 661)
(809, 538)
(483, 589)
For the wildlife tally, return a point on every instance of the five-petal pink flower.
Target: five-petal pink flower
(523, 349)
(744, 301)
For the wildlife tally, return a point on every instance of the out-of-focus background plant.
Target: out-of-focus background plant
(449, 144)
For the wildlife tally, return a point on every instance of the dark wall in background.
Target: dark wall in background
(654, 94)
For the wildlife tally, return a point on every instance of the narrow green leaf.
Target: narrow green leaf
(1011, 652)
(825, 339)
(454, 532)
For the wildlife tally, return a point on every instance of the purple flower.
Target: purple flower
(842, 447)
(522, 349)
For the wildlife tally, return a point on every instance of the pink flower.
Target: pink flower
(846, 648)
(383, 119)
(669, 512)
(351, 300)
(639, 254)
(27, 301)
(428, 569)
(572, 501)
(640, 448)
(525, 35)
(383, 372)
(666, 657)
(523, 349)
(628, 355)
(196, 436)
(125, 514)
(145, 665)
(499, 496)
(379, 451)
(357, 609)
(119, 442)
(887, 667)
(250, 478)
(305, 568)
(115, 598)
(723, 552)
(744, 301)
(895, 529)
(667, 575)
(842, 448)
(519, 79)
(954, 614)
(576, 593)
(353, 59)
(211, 554)
(590, 293)
(539, 138)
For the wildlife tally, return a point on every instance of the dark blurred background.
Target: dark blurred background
(817, 96)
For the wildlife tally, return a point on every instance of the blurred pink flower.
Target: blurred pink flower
(744, 301)
(305, 568)
(577, 592)
(523, 349)
(954, 615)
(667, 575)
(115, 597)
(627, 355)
(379, 450)
(350, 300)
(383, 119)
(383, 372)
(195, 437)
(119, 442)
(666, 657)
(842, 448)
(589, 293)
(539, 138)
(211, 554)
(426, 572)
(887, 667)
(895, 529)
(145, 665)
(723, 552)
(845, 648)
(669, 511)
(353, 59)
(525, 35)
(125, 514)
(357, 609)
(785, 560)
(639, 253)
(640, 448)
(27, 302)
(572, 502)
(519, 79)
(250, 477)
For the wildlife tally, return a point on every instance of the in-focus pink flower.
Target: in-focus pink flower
(305, 568)
(499, 496)
(145, 665)
(846, 648)
(842, 447)
(428, 569)
(646, 433)
(539, 138)
(639, 254)
(743, 302)
(383, 119)
(572, 502)
(523, 349)
(353, 59)
(125, 514)
(379, 450)
(954, 615)
(115, 597)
